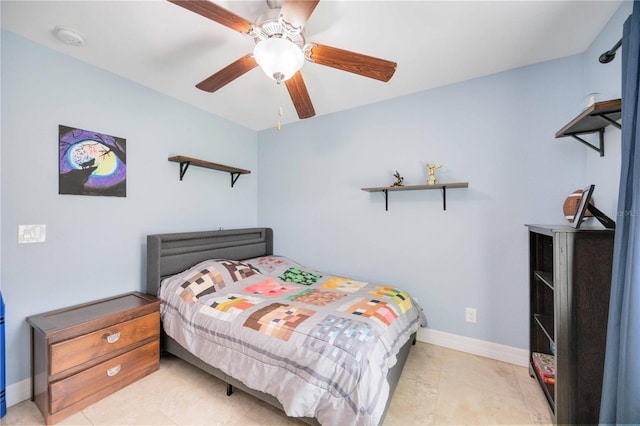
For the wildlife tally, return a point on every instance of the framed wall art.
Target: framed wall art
(91, 163)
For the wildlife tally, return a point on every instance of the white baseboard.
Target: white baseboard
(18, 392)
(21, 391)
(483, 348)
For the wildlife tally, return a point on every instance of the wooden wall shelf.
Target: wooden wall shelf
(594, 119)
(442, 186)
(186, 161)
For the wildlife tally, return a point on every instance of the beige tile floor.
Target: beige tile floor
(438, 386)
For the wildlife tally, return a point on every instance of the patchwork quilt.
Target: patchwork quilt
(321, 344)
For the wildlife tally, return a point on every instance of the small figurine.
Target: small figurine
(399, 179)
(432, 173)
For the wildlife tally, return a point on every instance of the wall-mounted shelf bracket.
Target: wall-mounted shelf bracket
(184, 165)
(442, 186)
(444, 198)
(611, 121)
(600, 148)
(186, 161)
(594, 119)
(234, 177)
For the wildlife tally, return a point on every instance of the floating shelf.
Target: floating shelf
(186, 161)
(442, 186)
(594, 119)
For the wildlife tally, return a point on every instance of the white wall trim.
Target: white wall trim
(21, 391)
(483, 348)
(18, 392)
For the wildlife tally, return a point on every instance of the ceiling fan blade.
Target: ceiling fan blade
(216, 13)
(357, 63)
(296, 13)
(228, 74)
(300, 96)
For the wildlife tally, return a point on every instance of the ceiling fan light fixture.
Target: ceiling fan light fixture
(278, 57)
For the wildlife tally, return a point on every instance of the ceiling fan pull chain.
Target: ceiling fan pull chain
(281, 99)
(280, 113)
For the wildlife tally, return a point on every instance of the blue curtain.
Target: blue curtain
(3, 398)
(621, 384)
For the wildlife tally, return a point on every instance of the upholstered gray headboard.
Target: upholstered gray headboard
(169, 254)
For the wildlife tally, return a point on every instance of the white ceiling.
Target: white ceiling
(167, 48)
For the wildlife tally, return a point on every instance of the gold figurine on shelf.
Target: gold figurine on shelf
(399, 179)
(432, 173)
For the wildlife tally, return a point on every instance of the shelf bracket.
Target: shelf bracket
(590, 145)
(443, 187)
(386, 198)
(614, 123)
(234, 177)
(184, 165)
(444, 198)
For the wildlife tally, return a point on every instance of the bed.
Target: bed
(322, 348)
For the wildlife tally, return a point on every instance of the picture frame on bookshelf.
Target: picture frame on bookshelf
(585, 205)
(582, 206)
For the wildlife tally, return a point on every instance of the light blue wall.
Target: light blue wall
(497, 133)
(96, 245)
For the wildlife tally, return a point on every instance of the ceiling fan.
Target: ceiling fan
(281, 49)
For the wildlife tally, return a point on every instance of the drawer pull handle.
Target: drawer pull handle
(113, 371)
(112, 338)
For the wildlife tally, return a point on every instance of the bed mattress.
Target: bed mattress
(321, 344)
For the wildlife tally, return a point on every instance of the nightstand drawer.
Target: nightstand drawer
(125, 368)
(82, 353)
(74, 352)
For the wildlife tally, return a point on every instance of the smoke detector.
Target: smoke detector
(69, 36)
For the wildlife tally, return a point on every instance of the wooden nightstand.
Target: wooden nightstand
(83, 353)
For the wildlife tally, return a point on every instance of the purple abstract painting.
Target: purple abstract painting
(91, 163)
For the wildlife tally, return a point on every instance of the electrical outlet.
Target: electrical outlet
(470, 315)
